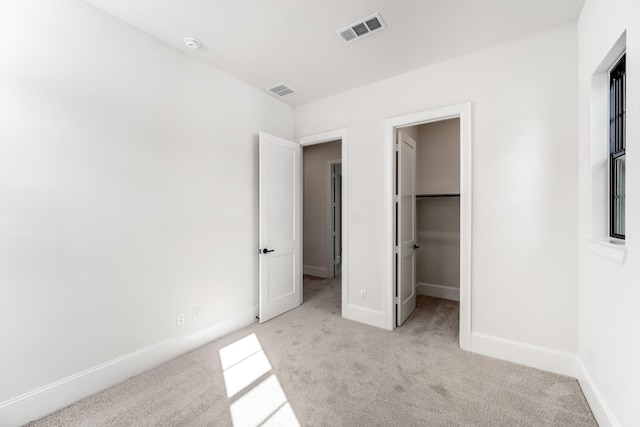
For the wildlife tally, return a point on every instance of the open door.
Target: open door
(406, 227)
(280, 226)
(336, 217)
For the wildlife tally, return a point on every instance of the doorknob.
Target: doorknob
(265, 250)
(416, 247)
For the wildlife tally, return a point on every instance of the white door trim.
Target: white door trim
(462, 111)
(319, 138)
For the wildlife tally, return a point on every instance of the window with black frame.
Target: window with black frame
(617, 144)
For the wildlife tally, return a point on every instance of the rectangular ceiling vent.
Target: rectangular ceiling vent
(362, 28)
(281, 89)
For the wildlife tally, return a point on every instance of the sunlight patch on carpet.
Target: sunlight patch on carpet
(242, 374)
(239, 350)
(244, 362)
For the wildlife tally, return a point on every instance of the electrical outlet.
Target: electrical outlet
(179, 319)
(195, 313)
(363, 294)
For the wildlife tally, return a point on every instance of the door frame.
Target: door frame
(319, 138)
(463, 112)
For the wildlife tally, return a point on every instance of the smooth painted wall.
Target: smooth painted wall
(524, 274)
(609, 290)
(316, 221)
(128, 191)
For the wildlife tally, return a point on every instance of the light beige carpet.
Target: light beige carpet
(322, 370)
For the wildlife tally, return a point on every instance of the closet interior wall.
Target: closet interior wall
(438, 216)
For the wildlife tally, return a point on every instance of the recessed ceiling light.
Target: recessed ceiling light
(191, 43)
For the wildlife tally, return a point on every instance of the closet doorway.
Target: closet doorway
(429, 205)
(428, 182)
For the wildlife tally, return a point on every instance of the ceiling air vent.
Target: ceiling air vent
(362, 28)
(281, 89)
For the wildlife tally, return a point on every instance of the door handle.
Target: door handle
(265, 250)
(416, 247)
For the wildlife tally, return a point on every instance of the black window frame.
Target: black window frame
(617, 148)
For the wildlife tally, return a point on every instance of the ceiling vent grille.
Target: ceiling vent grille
(362, 28)
(281, 89)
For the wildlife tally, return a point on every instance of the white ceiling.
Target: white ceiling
(266, 42)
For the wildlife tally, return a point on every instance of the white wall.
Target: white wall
(524, 277)
(128, 192)
(317, 187)
(609, 291)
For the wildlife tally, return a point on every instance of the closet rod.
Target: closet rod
(438, 195)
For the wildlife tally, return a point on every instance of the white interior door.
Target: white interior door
(280, 226)
(406, 228)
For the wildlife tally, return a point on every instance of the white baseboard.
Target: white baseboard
(364, 315)
(438, 291)
(51, 397)
(597, 403)
(317, 271)
(534, 356)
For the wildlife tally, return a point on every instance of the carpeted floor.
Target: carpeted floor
(310, 366)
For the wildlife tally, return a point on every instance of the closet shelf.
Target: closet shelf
(420, 196)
